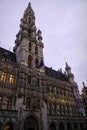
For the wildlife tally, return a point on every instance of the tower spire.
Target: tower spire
(69, 73)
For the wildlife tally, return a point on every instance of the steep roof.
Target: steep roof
(55, 74)
(7, 55)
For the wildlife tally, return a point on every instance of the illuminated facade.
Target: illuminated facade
(33, 96)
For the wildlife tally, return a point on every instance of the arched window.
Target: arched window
(29, 61)
(11, 79)
(36, 63)
(36, 50)
(3, 77)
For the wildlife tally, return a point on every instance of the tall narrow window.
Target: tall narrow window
(50, 108)
(36, 63)
(11, 79)
(29, 61)
(30, 46)
(29, 33)
(29, 79)
(29, 20)
(28, 102)
(1, 99)
(36, 50)
(3, 77)
(14, 101)
(37, 82)
(9, 103)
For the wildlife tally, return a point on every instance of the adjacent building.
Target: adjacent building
(84, 97)
(32, 95)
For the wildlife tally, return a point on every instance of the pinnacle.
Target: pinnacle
(29, 5)
(29, 8)
(67, 66)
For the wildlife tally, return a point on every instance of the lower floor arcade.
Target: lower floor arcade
(33, 123)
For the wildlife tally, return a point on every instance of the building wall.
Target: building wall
(32, 97)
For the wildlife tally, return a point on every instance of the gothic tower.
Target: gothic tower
(29, 54)
(69, 73)
(28, 44)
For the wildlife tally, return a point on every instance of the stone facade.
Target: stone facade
(33, 96)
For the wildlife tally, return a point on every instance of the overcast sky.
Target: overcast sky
(64, 29)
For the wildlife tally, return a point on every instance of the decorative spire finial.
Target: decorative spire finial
(83, 84)
(29, 4)
(67, 67)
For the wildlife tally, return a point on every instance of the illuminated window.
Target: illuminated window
(1, 99)
(9, 103)
(11, 79)
(3, 77)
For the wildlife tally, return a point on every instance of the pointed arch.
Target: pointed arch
(69, 126)
(76, 126)
(52, 126)
(31, 123)
(61, 126)
(9, 126)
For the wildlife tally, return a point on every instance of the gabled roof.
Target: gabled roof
(56, 74)
(8, 55)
